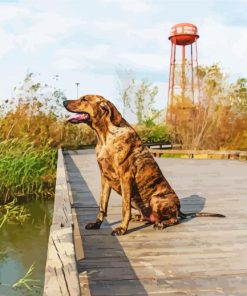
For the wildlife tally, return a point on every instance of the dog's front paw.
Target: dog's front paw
(94, 225)
(118, 231)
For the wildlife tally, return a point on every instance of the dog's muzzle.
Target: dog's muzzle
(65, 103)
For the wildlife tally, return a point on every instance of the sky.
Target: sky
(85, 41)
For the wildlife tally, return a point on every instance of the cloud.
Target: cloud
(109, 26)
(8, 42)
(104, 57)
(47, 28)
(136, 6)
(147, 61)
(223, 43)
(139, 48)
(30, 31)
(87, 57)
(9, 12)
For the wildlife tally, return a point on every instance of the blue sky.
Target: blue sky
(85, 41)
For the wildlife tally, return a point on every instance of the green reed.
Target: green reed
(26, 281)
(26, 171)
(13, 213)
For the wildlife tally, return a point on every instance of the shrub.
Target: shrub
(218, 120)
(151, 134)
(76, 136)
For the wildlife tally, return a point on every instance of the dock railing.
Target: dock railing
(201, 154)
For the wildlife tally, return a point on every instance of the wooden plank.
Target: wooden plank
(192, 286)
(61, 276)
(173, 263)
(149, 271)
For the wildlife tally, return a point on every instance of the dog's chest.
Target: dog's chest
(107, 164)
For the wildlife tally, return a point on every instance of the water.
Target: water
(23, 245)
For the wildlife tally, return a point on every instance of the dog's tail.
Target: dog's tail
(201, 214)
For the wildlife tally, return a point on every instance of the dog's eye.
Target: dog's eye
(83, 100)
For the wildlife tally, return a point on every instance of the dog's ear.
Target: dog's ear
(114, 114)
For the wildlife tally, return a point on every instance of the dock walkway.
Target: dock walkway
(201, 256)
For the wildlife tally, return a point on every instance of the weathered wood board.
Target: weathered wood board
(61, 276)
(201, 256)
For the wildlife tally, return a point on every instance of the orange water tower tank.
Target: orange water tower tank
(183, 87)
(183, 34)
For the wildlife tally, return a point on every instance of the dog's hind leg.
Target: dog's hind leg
(137, 218)
(165, 223)
(103, 204)
(165, 211)
(143, 209)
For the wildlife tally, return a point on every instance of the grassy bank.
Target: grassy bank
(26, 171)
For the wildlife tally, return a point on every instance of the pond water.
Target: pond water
(24, 245)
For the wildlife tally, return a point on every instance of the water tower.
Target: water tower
(183, 88)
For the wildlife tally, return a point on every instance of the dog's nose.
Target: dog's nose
(65, 103)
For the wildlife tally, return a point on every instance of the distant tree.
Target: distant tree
(137, 96)
(145, 95)
(125, 87)
(239, 99)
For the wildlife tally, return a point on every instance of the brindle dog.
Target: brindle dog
(127, 167)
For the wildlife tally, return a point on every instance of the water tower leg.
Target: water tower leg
(171, 84)
(183, 78)
(197, 74)
(192, 73)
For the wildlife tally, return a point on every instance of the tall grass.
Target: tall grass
(26, 171)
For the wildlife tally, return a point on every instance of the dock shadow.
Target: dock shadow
(192, 204)
(105, 268)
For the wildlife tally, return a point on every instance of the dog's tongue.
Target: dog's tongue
(76, 117)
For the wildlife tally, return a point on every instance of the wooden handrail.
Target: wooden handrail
(207, 154)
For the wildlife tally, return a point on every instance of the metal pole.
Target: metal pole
(77, 89)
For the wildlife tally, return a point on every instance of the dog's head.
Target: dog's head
(93, 110)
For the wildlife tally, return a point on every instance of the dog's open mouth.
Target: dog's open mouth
(79, 117)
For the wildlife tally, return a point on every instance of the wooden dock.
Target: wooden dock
(200, 257)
